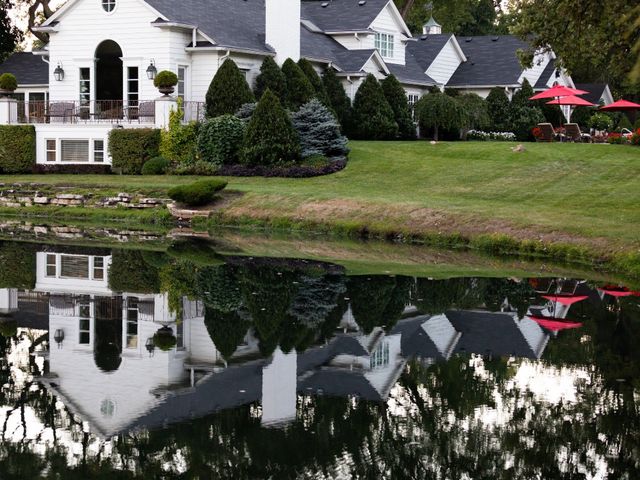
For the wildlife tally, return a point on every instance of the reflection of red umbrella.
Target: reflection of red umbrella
(621, 106)
(555, 324)
(565, 299)
(616, 292)
(558, 91)
(571, 100)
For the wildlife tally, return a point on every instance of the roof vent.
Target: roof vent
(324, 4)
(468, 39)
(495, 39)
(424, 37)
(362, 3)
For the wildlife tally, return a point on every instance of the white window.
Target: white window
(109, 5)
(72, 266)
(98, 268)
(132, 322)
(182, 81)
(98, 151)
(84, 326)
(133, 86)
(52, 150)
(52, 265)
(384, 44)
(74, 150)
(412, 99)
(85, 86)
(380, 357)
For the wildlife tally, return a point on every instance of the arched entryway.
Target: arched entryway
(109, 71)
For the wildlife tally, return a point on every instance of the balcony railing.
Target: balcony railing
(99, 111)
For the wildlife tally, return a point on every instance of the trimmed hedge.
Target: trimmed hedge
(220, 140)
(156, 166)
(130, 148)
(197, 194)
(294, 171)
(17, 148)
(75, 169)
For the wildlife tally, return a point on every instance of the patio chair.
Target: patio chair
(61, 110)
(146, 112)
(575, 134)
(547, 132)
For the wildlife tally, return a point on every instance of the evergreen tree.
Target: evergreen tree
(271, 77)
(522, 96)
(315, 80)
(270, 138)
(10, 35)
(318, 131)
(498, 106)
(523, 114)
(438, 111)
(299, 88)
(228, 91)
(226, 329)
(475, 112)
(373, 117)
(338, 99)
(397, 98)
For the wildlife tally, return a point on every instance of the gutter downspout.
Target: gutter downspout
(350, 88)
(194, 36)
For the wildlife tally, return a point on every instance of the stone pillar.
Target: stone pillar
(8, 111)
(164, 106)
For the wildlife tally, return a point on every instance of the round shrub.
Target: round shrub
(220, 139)
(197, 194)
(437, 111)
(155, 166)
(8, 327)
(8, 81)
(164, 339)
(165, 79)
(601, 121)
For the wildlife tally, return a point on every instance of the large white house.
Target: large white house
(96, 71)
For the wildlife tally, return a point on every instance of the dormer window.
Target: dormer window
(384, 44)
(109, 5)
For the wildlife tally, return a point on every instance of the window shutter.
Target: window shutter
(74, 150)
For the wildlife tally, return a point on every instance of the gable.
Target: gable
(68, 6)
(390, 20)
(342, 15)
(446, 62)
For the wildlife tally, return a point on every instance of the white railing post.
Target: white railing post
(8, 111)
(164, 106)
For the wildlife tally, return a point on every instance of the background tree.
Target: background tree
(397, 98)
(373, 117)
(524, 114)
(436, 112)
(271, 77)
(299, 88)
(315, 80)
(228, 91)
(270, 138)
(338, 99)
(319, 131)
(10, 35)
(476, 112)
(36, 12)
(499, 109)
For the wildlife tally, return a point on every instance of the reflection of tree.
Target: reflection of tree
(226, 329)
(437, 296)
(129, 272)
(377, 301)
(219, 288)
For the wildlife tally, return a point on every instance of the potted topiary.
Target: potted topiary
(165, 82)
(164, 339)
(8, 84)
(8, 326)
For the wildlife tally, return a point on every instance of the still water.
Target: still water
(141, 364)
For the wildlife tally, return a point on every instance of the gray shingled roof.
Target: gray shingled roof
(425, 48)
(342, 15)
(491, 60)
(541, 84)
(412, 72)
(596, 90)
(231, 23)
(29, 69)
(319, 46)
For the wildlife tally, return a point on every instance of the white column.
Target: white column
(279, 388)
(8, 300)
(8, 111)
(164, 106)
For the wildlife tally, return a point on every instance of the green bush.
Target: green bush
(474, 111)
(17, 148)
(197, 194)
(179, 143)
(129, 272)
(523, 119)
(270, 138)
(22, 258)
(338, 99)
(397, 98)
(198, 168)
(601, 121)
(636, 126)
(156, 166)
(372, 116)
(499, 109)
(319, 131)
(228, 91)
(220, 139)
(315, 80)
(8, 327)
(164, 339)
(131, 148)
(271, 77)
(625, 123)
(165, 79)
(8, 81)
(437, 111)
(299, 88)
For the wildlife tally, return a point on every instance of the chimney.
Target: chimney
(282, 28)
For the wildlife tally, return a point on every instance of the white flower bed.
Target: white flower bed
(491, 136)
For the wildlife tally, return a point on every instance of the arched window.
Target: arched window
(109, 5)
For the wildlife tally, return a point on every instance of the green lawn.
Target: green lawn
(573, 193)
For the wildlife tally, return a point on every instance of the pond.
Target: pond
(182, 362)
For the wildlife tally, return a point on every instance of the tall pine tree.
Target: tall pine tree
(228, 91)
(315, 80)
(373, 117)
(397, 98)
(338, 99)
(271, 77)
(499, 109)
(299, 88)
(319, 131)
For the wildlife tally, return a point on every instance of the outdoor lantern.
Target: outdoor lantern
(58, 73)
(59, 337)
(150, 346)
(152, 70)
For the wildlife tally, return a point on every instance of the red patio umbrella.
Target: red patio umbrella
(557, 92)
(621, 106)
(555, 324)
(565, 299)
(571, 100)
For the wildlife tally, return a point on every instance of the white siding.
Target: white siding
(387, 22)
(204, 66)
(445, 63)
(352, 41)
(533, 74)
(201, 347)
(441, 333)
(86, 25)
